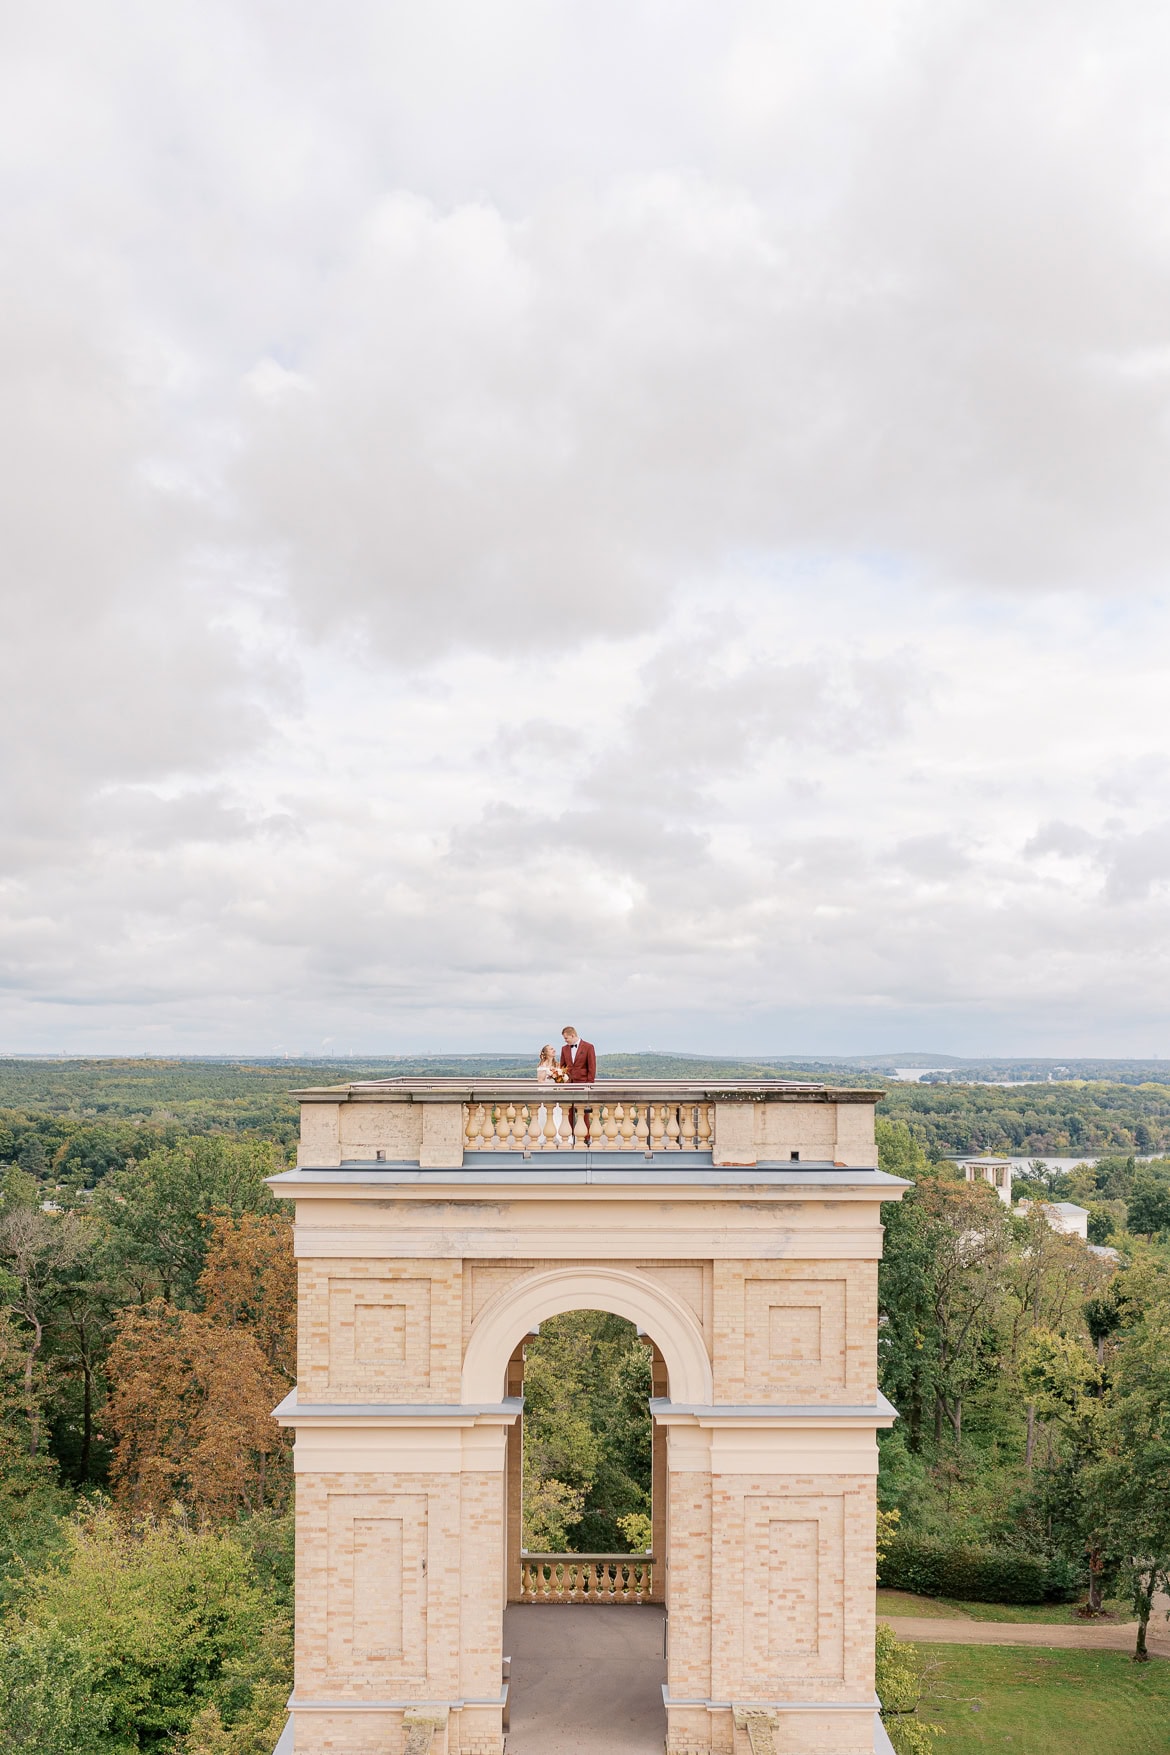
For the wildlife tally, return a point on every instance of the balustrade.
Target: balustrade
(586, 1578)
(542, 1125)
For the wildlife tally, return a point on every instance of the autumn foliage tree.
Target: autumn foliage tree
(191, 1403)
(249, 1282)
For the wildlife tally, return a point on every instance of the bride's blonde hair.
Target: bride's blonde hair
(548, 1052)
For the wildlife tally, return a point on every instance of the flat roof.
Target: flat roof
(485, 1088)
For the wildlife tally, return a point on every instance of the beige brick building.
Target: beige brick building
(438, 1223)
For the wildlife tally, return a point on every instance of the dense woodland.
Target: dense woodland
(148, 1328)
(83, 1117)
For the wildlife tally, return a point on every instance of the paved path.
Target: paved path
(586, 1677)
(1091, 1636)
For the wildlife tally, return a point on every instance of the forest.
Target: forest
(148, 1328)
(98, 1108)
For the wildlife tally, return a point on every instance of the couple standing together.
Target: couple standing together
(576, 1066)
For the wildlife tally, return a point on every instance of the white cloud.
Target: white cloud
(653, 514)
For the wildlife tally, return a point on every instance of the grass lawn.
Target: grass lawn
(1046, 1702)
(904, 1602)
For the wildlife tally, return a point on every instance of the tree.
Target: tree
(159, 1212)
(1050, 1275)
(1102, 1319)
(1148, 1207)
(941, 1295)
(1065, 1383)
(80, 1334)
(31, 1156)
(907, 1335)
(900, 1152)
(1131, 1481)
(900, 1686)
(48, 1705)
(38, 1251)
(1101, 1225)
(249, 1281)
(551, 1509)
(191, 1403)
(586, 1430)
(31, 1502)
(250, 1707)
(159, 1612)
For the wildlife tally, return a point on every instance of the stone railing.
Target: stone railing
(586, 1578)
(447, 1123)
(639, 1124)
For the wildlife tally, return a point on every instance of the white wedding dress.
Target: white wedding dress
(546, 1075)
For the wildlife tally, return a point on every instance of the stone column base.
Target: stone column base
(427, 1729)
(773, 1728)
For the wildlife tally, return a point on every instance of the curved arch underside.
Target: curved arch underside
(519, 1308)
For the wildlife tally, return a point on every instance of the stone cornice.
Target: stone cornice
(291, 1412)
(528, 1178)
(879, 1413)
(487, 1089)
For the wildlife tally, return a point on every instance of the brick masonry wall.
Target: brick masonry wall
(379, 1331)
(800, 1332)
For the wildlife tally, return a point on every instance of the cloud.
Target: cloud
(518, 509)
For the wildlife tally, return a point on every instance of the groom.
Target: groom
(580, 1061)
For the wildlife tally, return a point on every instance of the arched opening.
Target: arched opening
(630, 1292)
(588, 1453)
(586, 1624)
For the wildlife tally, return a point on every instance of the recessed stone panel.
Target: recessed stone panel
(379, 1337)
(794, 1339)
(794, 1607)
(377, 1588)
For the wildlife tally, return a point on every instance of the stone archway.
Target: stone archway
(624, 1291)
(436, 1226)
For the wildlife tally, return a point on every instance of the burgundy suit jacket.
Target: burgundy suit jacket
(584, 1070)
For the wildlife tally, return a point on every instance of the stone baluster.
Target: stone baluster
(627, 1128)
(704, 1140)
(579, 1129)
(687, 1127)
(642, 1130)
(672, 1129)
(550, 1126)
(657, 1126)
(613, 1116)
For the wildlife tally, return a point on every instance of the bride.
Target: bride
(550, 1071)
(548, 1066)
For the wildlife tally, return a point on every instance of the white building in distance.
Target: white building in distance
(1063, 1215)
(996, 1171)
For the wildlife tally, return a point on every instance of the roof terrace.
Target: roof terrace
(444, 1125)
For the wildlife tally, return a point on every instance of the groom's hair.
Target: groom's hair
(569, 1030)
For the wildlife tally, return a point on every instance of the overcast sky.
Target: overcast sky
(653, 515)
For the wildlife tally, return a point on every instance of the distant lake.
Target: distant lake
(1044, 1158)
(914, 1075)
